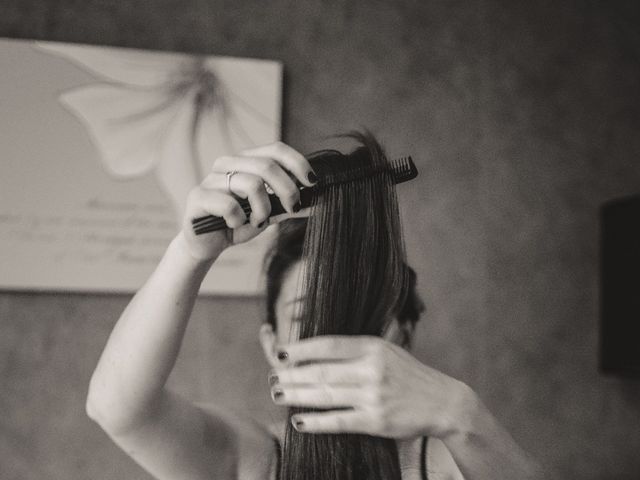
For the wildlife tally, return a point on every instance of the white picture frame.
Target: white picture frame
(99, 148)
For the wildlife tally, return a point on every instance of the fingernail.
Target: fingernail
(273, 379)
(277, 394)
(282, 355)
(297, 207)
(312, 177)
(297, 424)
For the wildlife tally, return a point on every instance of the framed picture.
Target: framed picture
(99, 148)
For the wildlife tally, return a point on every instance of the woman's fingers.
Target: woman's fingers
(343, 421)
(267, 169)
(214, 202)
(244, 185)
(319, 396)
(287, 157)
(271, 164)
(327, 347)
(324, 373)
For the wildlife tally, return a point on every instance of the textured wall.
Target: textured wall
(523, 118)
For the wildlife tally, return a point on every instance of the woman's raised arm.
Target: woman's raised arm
(167, 435)
(144, 344)
(127, 395)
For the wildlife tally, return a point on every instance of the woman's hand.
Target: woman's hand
(277, 165)
(387, 392)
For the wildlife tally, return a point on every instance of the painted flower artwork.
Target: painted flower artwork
(170, 114)
(100, 148)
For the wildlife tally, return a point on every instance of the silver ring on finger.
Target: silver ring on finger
(229, 175)
(268, 188)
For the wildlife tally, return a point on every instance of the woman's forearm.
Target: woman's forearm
(483, 449)
(142, 349)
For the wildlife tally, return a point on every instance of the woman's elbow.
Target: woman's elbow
(97, 410)
(109, 413)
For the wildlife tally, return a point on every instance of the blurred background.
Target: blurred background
(522, 117)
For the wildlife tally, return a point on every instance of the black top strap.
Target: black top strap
(423, 458)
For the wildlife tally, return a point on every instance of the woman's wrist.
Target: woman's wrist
(465, 410)
(181, 253)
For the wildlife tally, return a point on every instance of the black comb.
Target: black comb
(401, 170)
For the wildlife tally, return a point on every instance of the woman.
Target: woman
(388, 392)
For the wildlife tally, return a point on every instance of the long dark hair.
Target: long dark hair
(354, 279)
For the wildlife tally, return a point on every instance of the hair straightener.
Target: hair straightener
(400, 170)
